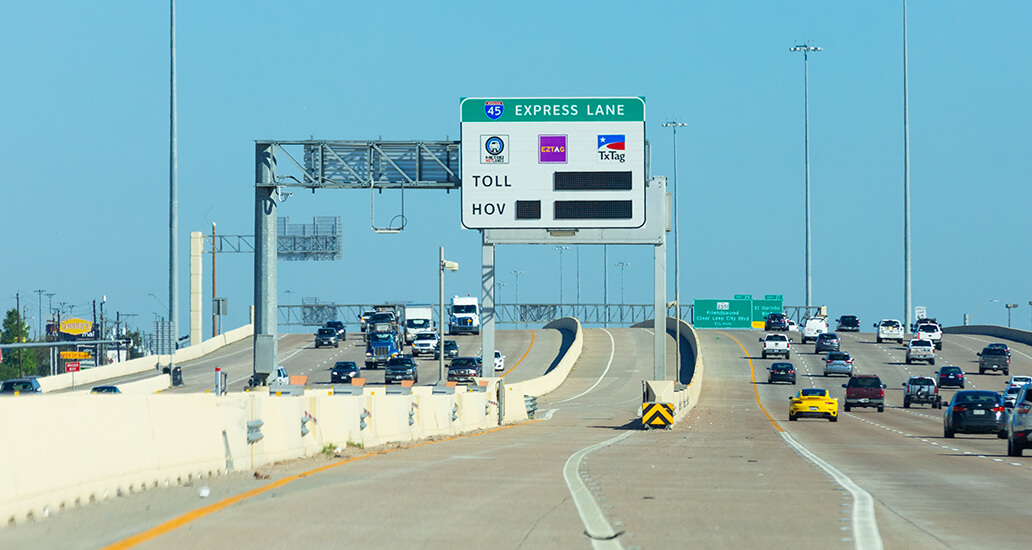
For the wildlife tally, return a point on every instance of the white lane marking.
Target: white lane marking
(595, 524)
(612, 352)
(865, 526)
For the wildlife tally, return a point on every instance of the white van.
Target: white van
(813, 327)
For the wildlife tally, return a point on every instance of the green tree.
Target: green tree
(16, 330)
(136, 345)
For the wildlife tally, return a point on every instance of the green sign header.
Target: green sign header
(562, 109)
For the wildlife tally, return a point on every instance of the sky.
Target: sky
(84, 145)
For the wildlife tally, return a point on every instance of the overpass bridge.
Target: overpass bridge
(734, 472)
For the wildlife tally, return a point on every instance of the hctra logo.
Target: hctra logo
(611, 147)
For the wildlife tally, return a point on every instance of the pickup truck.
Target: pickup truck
(994, 359)
(921, 389)
(929, 331)
(776, 344)
(865, 390)
(921, 350)
(889, 329)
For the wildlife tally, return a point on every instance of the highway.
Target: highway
(735, 473)
(528, 354)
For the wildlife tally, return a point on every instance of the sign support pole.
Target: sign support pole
(487, 309)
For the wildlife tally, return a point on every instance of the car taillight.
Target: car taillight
(959, 408)
(791, 372)
(850, 361)
(881, 393)
(1024, 409)
(998, 409)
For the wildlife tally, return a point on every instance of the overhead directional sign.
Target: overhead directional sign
(553, 163)
(722, 313)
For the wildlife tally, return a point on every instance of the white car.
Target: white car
(1017, 381)
(928, 331)
(890, 329)
(426, 343)
(813, 327)
(793, 326)
(499, 361)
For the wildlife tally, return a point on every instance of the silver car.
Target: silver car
(1019, 423)
(838, 362)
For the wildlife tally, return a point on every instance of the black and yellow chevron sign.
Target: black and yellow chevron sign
(657, 415)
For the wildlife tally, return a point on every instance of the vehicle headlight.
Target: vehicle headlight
(368, 354)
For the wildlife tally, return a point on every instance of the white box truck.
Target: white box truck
(418, 318)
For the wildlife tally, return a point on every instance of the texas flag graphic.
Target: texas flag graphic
(612, 142)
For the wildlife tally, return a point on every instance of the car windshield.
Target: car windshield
(451, 344)
(838, 356)
(418, 323)
(776, 316)
(327, 332)
(381, 337)
(776, 338)
(382, 318)
(344, 365)
(464, 309)
(920, 343)
(815, 392)
(427, 337)
(890, 324)
(864, 382)
(949, 370)
(849, 319)
(827, 336)
(994, 351)
(977, 397)
(16, 385)
(467, 362)
(781, 366)
(921, 382)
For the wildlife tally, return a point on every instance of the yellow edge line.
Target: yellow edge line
(524, 355)
(189, 517)
(756, 389)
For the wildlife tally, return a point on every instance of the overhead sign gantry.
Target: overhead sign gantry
(553, 163)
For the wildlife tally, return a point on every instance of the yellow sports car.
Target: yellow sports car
(813, 402)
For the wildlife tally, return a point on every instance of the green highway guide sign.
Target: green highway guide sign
(742, 312)
(576, 109)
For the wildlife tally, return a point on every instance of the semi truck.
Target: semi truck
(465, 315)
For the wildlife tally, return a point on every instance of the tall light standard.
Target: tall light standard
(151, 294)
(1009, 308)
(677, 252)
(980, 306)
(517, 273)
(806, 49)
(906, 179)
(173, 178)
(39, 323)
(561, 249)
(621, 265)
(442, 375)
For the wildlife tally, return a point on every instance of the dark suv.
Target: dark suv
(828, 341)
(401, 367)
(776, 321)
(848, 323)
(865, 390)
(993, 359)
(950, 376)
(782, 372)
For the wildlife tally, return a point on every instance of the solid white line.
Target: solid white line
(612, 352)
(595, 524)
(865, 526)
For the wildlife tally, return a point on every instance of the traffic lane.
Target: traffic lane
(530, 354)
(512, 478)
(899, 455)
(723, 477)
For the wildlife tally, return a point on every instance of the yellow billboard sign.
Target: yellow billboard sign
(76, 355)
(76, 326)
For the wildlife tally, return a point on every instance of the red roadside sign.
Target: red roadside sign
(72, 366)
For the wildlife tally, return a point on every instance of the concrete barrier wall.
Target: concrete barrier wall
(134, 366)
(684, 397)
(64, 450)
(1005, 333)
(515, 410)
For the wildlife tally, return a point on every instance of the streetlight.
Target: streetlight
(560, 249)
(980, 306)
(621, 265)
(517, 273)
(906, 178)
(806, 49)
(1009, 308)
(677, 252)
(1030, 303)
(151, 294)
(442, 375)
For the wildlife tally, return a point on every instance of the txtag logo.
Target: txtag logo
(611, 147)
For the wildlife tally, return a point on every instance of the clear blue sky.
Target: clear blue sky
(84, 143)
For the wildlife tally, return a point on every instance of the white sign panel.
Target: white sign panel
(560, 163)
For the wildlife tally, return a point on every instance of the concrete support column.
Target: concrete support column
(487, 308)
(196, 305)
(660, 358)
(265, 322)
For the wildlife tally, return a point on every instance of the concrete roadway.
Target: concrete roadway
(725, 477)
(298, 354)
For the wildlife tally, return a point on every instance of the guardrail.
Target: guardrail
(1013, 334)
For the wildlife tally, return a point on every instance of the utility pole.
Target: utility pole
(50, 303)
(17, 315)
(39, 323)
(214, 315)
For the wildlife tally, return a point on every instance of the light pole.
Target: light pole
(287, 300)
(621, 265)
(442, 375)
(677, 252)
(578, 275)
(906, 179)
(806, 49)
(151, 294)
(498, 293)
(519, 313)
(560, 249)
(1009, 308)
(1030, 303)
(980, 306)
(39, 324)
